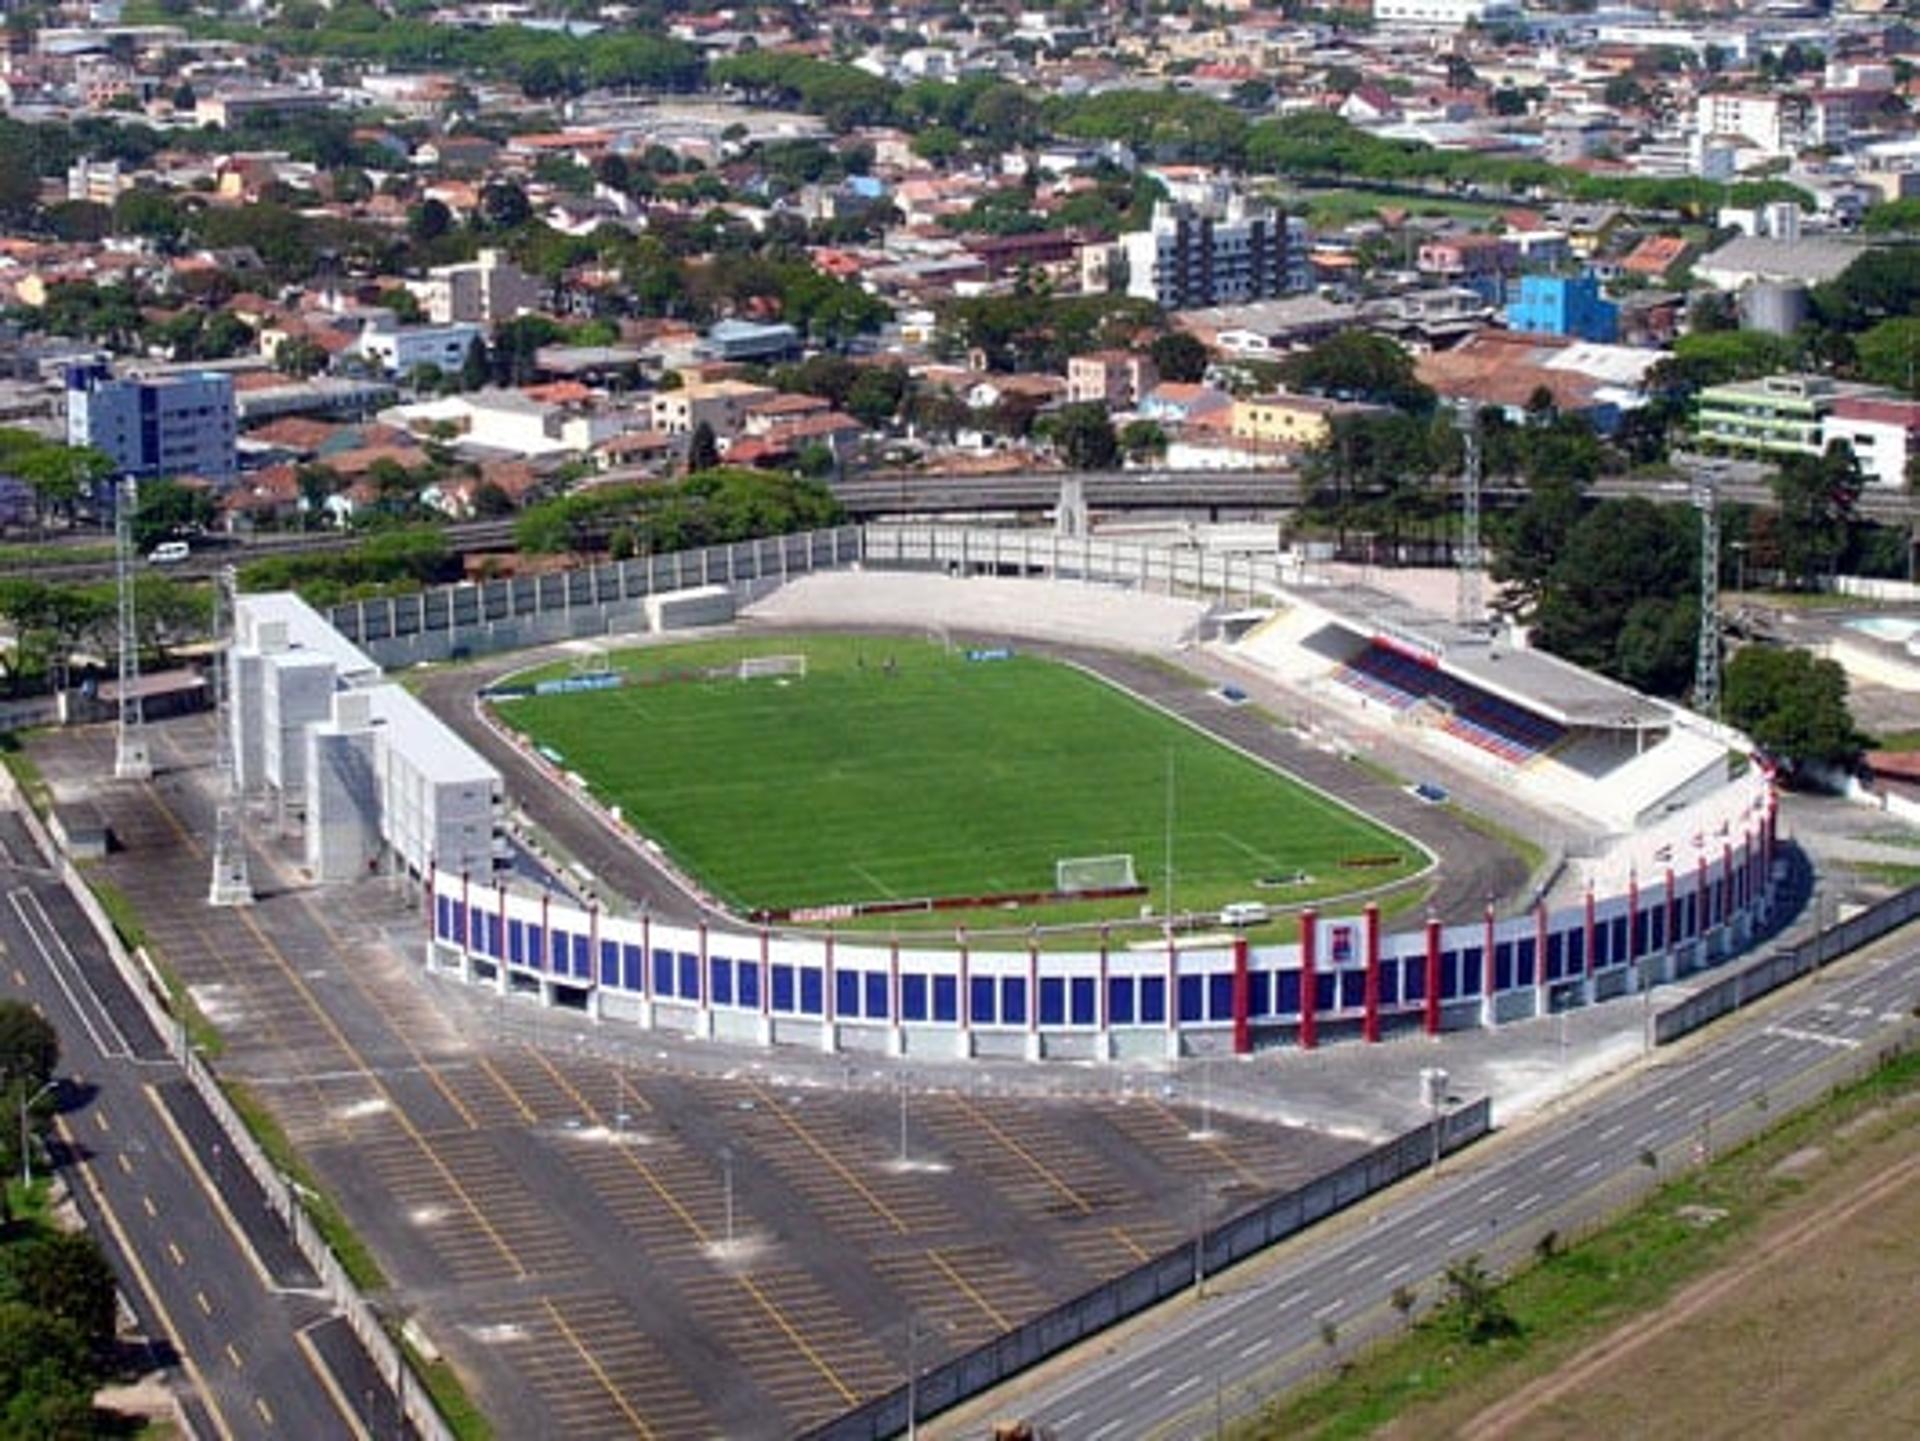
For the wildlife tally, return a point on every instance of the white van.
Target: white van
(1245, 913)
(168, 552)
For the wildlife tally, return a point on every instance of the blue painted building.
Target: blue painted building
(1564, 305)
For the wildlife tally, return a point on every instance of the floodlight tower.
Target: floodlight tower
(1706, 665)
(231, 885)
(1470, 563)
(131, 762)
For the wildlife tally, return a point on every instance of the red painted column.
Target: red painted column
(1370, 950)
(1726, 879)
(1242, 999)
(1702, 902)
(1432, 997)
(1673, 909)
(1309, 982)
(1588, 943)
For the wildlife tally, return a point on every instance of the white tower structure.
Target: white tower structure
(131, 761)
(230, 886)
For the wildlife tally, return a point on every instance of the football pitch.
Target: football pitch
(898, 769)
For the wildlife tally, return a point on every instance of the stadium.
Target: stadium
(1657, 827)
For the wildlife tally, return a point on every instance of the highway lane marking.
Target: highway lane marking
(1461, 1238)
(1493, 1193)
(200, 1300)
(1427, 1230)
(1186, 1385)
(1611, 1131)
(1588, 1169)
(118, 1046)
(328, 1381)
(1647, 1140)
(1719, 1075)
(217, 1194)
(151, 1209)
(233, 1355)
(1665, 1102)
(1398, 1271)
(120, 1160)
(1554, 1161)
(100, 1120)
(1296, 1298)
(1072, 1416)
(1817, 1038)
(1246, 1353)
(174, 1251)
(1220, 1338)
(1527, 1203)
(1141, 1380)
(139, 1269)
(1107, 1429)
(266, 1411)
(1359, 1265)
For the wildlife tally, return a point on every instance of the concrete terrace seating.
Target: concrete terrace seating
(1499, 727)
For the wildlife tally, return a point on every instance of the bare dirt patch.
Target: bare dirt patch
(1808, 1333)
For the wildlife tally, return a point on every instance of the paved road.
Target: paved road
(208, 1270)
(1268, 1330)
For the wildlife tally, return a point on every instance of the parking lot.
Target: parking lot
(608, 1242)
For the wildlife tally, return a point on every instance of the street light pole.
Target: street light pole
(26, 1147)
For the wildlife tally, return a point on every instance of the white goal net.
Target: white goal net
(758, 667)
(1093, 873)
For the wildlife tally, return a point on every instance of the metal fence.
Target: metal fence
(1788, 963)
(1155, 1280)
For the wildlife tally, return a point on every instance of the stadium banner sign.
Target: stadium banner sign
(574, 684)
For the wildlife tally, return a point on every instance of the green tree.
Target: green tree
(1792, 704)
(64, 1275)
(1621, 557)
(1889, 353)
(877, 394)
(1359, 365)
(703, 448)
(1179, 356)
(1474, 1307)
(1085, 437)
(29, 1046)
(1816, 498)
(167, 509)
(1143, 440)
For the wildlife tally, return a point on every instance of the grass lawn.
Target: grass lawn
(942, 777)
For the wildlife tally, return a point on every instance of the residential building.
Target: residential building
(1116, 379)
(1777, 415)
(1444, 14)
(721, 405)
(1292, 422)
(100, 182)
(1479, 262)
(154, 426)
(1174, 402)
(1769, 122)
(401, 349)
(1745, 259)
(485, 291)
(1564, 305)
(747, 340)
(1189, 257)
(1883, 432)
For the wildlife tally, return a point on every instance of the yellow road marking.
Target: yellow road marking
(330, 1384)
(527, 1113)
(1139, 1254)
(399, 1113)
(133, 1260)
(599, 1372)
(834, 1163)
(1220, 1151)
(993, 1128)
(241, 1241)
(587, 1107)
(970, 1291)
(800, 1342)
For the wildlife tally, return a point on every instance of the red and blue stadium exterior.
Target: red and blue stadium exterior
(1342, 976)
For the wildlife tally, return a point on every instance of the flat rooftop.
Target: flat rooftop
(1529, 678)
(429, 744)
(307, 630)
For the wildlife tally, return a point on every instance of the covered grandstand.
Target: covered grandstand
(1561, 736)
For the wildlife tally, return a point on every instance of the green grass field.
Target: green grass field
(946, 777)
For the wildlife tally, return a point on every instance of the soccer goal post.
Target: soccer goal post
(1094, 873)
(758, 667)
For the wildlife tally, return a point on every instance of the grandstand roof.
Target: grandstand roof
(1530, 678)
